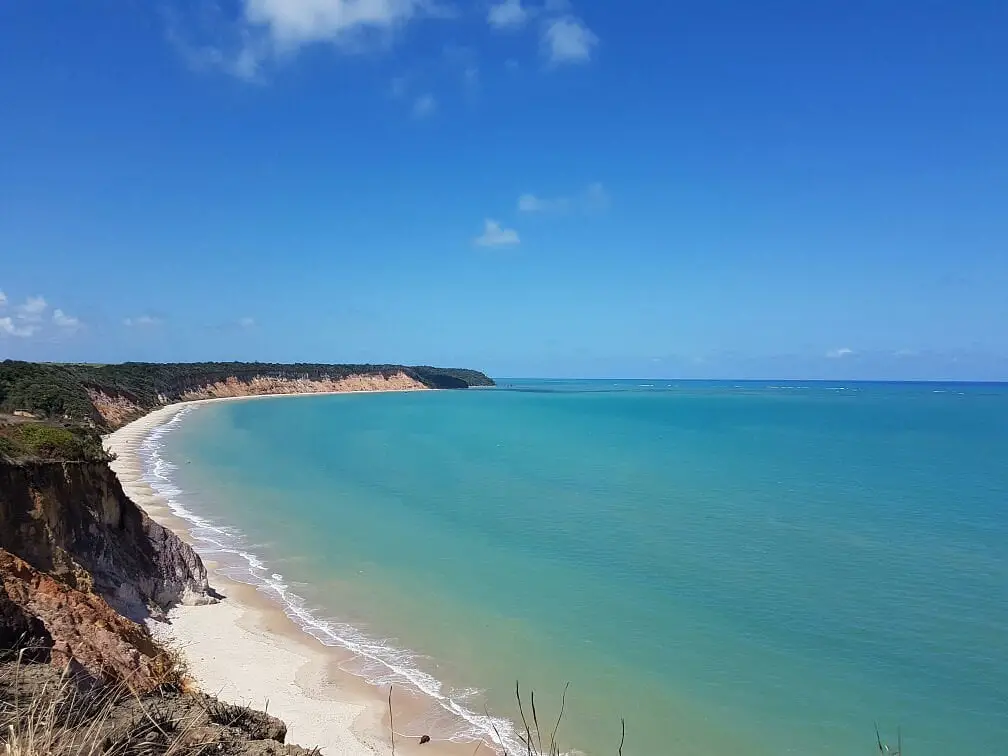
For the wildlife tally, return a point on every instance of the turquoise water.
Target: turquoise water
(735, 568)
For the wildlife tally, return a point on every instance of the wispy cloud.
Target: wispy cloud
(837, 354)
(273, 30)
(246, 322)
(29, 318)
(593, 198)
(530, 203)
(568, 40)
(495, 235)
(32, 310)
(507, 15)
(64, 321)
(141, 321)
(9, 328)
(424, 105)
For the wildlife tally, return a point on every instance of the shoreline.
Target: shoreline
(247, 650)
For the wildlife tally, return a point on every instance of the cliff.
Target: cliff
(72, 520)
(72, 629)
(80, 565)
(117, 410)
(111, 395)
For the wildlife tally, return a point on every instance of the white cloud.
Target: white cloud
(32, 310)
(836, 354)
(30, 317)
(593, 198)
(62, 320)
(568, 40)
(141, 321)
(424, 106)
(495, 235)
(269, 30)
(530, 203)
(507, 15)
(246, 322)
(905, 353)
(8, 328)
(293, 23)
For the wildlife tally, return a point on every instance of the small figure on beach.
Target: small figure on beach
(424, 739)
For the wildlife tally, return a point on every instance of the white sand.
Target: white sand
(252, 667)
(246, 651)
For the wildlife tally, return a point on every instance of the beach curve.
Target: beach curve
(249, 649)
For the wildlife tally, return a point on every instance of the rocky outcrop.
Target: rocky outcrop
(73, 521)
(76, 674)
(79, 629)
(115, 411)
(20, 629)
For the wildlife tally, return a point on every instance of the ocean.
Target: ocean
(735, 568)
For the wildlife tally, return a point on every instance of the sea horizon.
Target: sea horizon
(911, 381)
(216, 466)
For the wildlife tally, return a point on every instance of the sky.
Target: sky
(534, 188)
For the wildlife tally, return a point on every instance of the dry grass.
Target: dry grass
(75, 717)
(532, 741)
(171, 670)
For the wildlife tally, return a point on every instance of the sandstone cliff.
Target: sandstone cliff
(73, 521)
(79, 562)
(79, 630)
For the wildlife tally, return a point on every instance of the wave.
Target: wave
(383, 662)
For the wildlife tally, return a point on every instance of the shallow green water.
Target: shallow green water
(735, 568)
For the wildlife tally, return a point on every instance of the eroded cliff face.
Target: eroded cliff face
(76, 628)
(73, 521)
(80, 565)
(116, 411)
(261, 385)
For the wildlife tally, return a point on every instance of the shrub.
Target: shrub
(51, 442)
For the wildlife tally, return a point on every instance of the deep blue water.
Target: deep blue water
(735, 567)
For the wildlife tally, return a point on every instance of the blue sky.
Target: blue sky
(550, 188)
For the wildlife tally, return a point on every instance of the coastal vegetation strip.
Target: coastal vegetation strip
(109, 396)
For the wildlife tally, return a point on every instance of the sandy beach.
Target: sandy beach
(245, 650)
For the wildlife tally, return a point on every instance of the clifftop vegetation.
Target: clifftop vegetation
(50, 441)
(65, 390)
